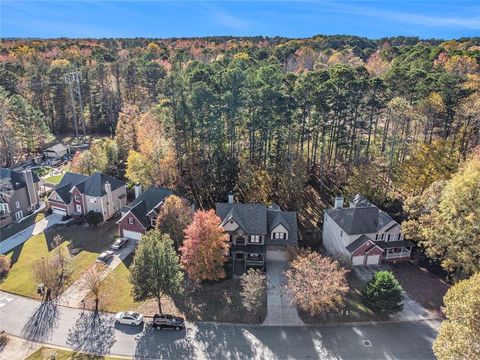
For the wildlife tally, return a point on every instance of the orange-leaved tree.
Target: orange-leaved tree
(317, 283)
(204, 247)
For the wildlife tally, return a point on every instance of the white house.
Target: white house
(363, 233)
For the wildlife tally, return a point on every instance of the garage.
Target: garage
(358, 260)
(372, 259)
(132, 234)
(59, 211)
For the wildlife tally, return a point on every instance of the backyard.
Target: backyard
(89, 241)
(55, 179)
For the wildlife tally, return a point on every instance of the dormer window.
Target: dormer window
(279, 235)
(130, 220)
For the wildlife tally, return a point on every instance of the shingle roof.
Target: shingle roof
(361, 218)
(150, 198)
(16, 177)
(288, 219)
(252, 218)
(65, 185)
(357, 243)
(249, 248)
(393, 244)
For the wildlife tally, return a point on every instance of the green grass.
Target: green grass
(54, 179)
(91, 241)
(8, 231)
(45, 353)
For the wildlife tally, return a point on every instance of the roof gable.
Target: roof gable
(251, 218)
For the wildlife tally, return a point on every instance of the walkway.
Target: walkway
(280, 310)
(74, 295)
(97, 333)
(34, 229)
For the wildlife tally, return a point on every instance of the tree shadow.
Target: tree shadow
(164, 344)
(93, 333)
(42, 323)
(130, 329)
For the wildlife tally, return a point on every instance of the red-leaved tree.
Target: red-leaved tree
(204, 247)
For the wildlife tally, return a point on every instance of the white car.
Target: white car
(119, 243)
(129, 318)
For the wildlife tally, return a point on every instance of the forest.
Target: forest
(263, 117)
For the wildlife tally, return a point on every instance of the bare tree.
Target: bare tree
(254, 284)
(93, 280)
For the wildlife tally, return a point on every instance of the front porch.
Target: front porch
(241, 261)
(394, 254)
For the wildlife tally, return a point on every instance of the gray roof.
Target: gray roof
(259, 249)
(393, 244)
(357, 243)
(150, 198)
(56, 148)
(252, 218)
(16, 177)
(361, 218)
(257, 219)
(93, 185)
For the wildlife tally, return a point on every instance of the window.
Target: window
(17, 204)
(230, 238)
(4, 208)
(279, 235)
(255, 239)
(154, 222)
(240, 240)
(399, 236)
(255, 256)
(77, 197)
(130, 220)
(388, 237)
(382, 236)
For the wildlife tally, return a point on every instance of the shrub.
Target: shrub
(93, 218)
(4, 265)
(3, 340)
(383, 293)
(254, 286)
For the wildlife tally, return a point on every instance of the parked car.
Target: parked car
(105, 256)
(165, 321)
(119, 243)
(129, 318)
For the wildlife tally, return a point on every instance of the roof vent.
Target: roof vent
(338, 202)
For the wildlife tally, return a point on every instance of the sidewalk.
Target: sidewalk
(74, 295)
(280, 310)
(18, 349)
(32, 230)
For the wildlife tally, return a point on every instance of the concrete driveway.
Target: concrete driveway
(76, 292)
(32, 230)
(280, 310)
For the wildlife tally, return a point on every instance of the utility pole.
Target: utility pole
(70, 79)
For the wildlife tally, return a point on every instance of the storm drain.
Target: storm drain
(367, 343)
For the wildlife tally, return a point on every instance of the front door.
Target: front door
(79, 208)
(19, 215)
(239, 264)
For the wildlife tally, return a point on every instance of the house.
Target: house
(141, 214)
(253, 230)
(78, 194)
(56, 151)
(363, 233)
(23, 198)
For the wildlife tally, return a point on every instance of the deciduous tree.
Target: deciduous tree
(174, 217)
(254, 286)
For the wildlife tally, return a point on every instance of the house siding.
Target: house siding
(136, 226)
(333, 242)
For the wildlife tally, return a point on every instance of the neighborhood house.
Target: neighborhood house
(255, 230)
(23, 197)
(141, 214)
(56, 151)
(364, 233)
(78, 194)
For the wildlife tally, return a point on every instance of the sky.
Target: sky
(299, 18)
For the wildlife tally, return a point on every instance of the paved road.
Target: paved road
(24, 235)
(63, 326)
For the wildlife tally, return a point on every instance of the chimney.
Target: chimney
(138, 190)
(31, 190)
(338, 202)
(108, 188)
(230, 198)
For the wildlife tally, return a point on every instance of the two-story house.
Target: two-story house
(77, 194)
(363, 233)
(253, 229)
(141, 214)
(22, 197)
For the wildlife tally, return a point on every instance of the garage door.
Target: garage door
(132, 234)
(59, 211)
(373, 259)
(358, 260)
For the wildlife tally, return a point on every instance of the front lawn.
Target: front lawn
(219, 301)
(354, 309)
(46, 353)
(12, 229)
(89, 240)
(54, 179)
(421, 285)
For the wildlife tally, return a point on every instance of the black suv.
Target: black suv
(164, 321)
